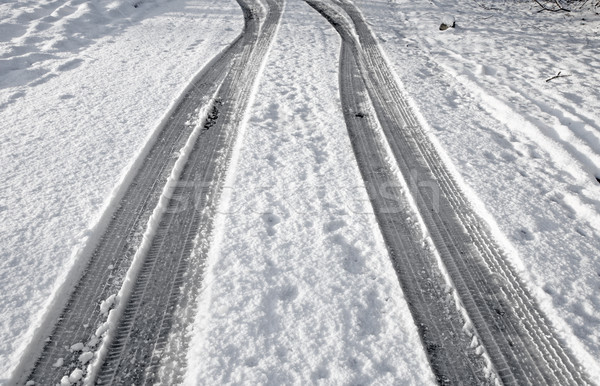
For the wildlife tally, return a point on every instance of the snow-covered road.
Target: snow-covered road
(507, 133)
(325, 244)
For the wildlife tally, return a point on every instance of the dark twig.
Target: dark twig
(559, 9)
(557, 76)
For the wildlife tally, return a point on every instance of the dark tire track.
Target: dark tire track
(439, 322)
(140, 346)
(517, 337)
(112, 256)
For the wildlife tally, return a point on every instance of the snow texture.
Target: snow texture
(299, 287)
(122, 298)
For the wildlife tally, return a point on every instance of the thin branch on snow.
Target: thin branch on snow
(593, 5)
(559, 9)
(557, 76)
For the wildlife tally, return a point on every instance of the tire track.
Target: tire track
(136, 355)
(112, 256)
(440, 324)
(517, 337)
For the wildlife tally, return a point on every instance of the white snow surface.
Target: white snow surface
(83, 85)
(300, 288)
(527, 151)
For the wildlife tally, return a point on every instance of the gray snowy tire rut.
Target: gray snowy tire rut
(150, 318)
(440, 324)
(517, 337)
(142, 335)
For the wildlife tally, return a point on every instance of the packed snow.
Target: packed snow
(299, 287)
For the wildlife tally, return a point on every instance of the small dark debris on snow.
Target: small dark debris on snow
(433, 347)
(211, 120)
(444, 27)
(447, 22)
(360, 115)
(444, 380)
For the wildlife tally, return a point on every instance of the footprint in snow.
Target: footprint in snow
(271, 220)
(526, 234)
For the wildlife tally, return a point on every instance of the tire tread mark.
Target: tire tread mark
(516, 335)
(444, 340)
(137, 353)
(112, 256)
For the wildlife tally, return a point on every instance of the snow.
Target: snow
(300, 288)
(77, 347)
(75, 375)
(86, 357)
(527, 151)
(106, 304)
(83, 85)
(428, 244)
(447, 21)
(102, 329)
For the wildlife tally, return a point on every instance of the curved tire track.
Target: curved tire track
(439, 323)
(517, 337)
(140, 346)
(113, 255)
